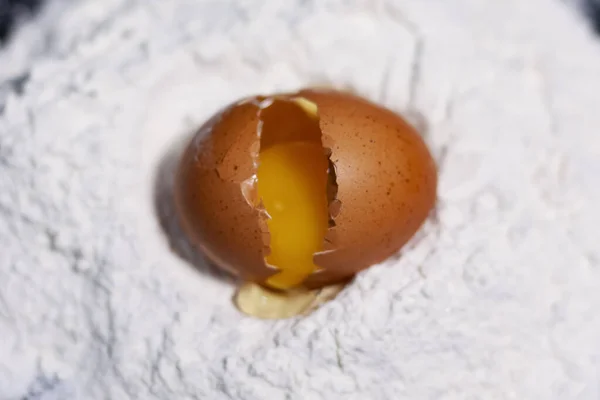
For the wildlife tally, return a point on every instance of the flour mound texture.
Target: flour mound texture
(496, 298)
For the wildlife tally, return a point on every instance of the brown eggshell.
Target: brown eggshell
(209, 200)
(386, 186)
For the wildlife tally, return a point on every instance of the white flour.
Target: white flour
(497, 299)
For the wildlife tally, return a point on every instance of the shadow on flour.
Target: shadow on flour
(592, 10)
(12, 12)
(164, 205)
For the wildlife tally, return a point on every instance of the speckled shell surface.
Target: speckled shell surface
(385, 175)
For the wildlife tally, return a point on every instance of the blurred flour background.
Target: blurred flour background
(497, 297)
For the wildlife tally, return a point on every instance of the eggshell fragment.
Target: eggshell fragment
(385, 185)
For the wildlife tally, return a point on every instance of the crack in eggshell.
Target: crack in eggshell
(311, 110)
(248, 188)
(228, 169)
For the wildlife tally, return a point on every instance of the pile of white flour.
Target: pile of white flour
(497, 297)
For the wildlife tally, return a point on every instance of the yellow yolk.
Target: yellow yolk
(292, 182)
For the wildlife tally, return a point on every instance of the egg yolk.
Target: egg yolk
(292, 181)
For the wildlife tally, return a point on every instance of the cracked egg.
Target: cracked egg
(295, 192)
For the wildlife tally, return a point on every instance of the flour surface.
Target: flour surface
(496, 298)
